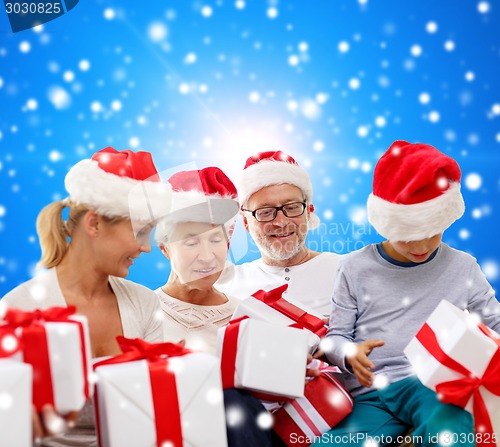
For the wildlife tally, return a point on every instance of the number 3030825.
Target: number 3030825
(33, 8)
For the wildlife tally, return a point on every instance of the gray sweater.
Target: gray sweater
(375, 299)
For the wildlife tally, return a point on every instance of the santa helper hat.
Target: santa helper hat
(275, 168)
(119, 184)
(206, 195)
(416, 192)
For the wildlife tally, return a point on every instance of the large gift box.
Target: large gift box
(156, 395)
(263, 357)
(15, 403)
(56, 343)
(325, 403)
(459, 358)
(272, 307)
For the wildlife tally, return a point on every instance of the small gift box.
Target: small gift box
(459, 358)
(15, 403)
(273, 308)
(325, 403)
(55, 342)
(158, 395)
(263, 357)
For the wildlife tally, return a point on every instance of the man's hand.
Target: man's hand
(361, 365)
(312, 369)
(49, 423)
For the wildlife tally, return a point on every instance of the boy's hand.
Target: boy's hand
(361, 365)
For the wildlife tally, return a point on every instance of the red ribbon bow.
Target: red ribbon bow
(20, 318)
(163, 384)
(139, 349)
(302, 319)
(460, 391)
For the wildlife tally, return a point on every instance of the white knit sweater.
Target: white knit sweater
(194, 323)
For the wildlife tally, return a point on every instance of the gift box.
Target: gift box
(459, 358)
(273, 308)
(158, 395)
(15, 404)
(325, 403)
(263, 357)
(56, 343)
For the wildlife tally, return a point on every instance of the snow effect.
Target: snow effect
(473, 181)
(431, 27)
(109, 13)
(84, 65)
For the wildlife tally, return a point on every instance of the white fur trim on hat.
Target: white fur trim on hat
(193, 206)
(418, 221)
(111, 195)
(275, 172)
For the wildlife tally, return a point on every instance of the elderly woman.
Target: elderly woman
(195, 238)
(114, 200)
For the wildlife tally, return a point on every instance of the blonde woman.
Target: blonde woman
(114, 201)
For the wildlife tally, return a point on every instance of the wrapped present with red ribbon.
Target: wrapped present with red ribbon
(262, 357)
(159, 395)
(459, 358)
(325, 403)
(15, 408)
(56, 343)
(272, 307)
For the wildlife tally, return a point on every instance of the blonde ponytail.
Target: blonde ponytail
(53, 231)
(52, 234)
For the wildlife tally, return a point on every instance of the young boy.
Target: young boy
(385, 292)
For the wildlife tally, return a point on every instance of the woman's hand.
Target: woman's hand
(361, 365)
(49, 423)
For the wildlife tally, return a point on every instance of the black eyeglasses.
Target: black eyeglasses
(294, 209)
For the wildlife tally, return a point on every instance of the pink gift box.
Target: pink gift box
(325, 403)
(56, 344)
(459, 358)
(263, 357)
(157, 395)
(273, 308)
(15, 406)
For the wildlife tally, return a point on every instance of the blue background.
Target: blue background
(210, 82)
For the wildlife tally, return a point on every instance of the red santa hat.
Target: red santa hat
(416, 192)
(206, 195)
(275, 168)
(119, 184)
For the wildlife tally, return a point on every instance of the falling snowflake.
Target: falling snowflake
(449, 45)
(343, 46)
(84, 65)
(264, 420)
(109, 14)
(207, 11)
(483, 7)
(431, 27)
(235, 416)
(473, 181)
(24, 47)
(416, 50)
(157, 32)
(272, 13)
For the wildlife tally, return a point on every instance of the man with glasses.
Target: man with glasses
(275, 196)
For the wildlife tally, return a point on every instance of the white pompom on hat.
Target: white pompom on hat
(120, 184)
(275, 168)
(416, 192)
(206, 195)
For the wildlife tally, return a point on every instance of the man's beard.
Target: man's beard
(278, 251)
